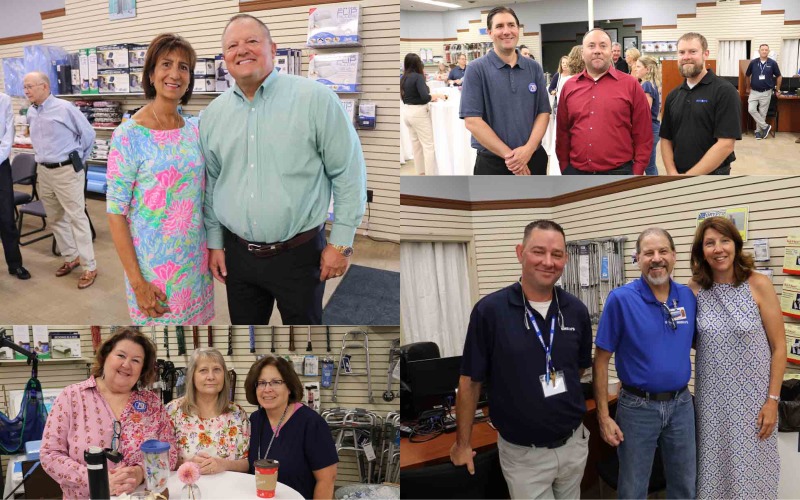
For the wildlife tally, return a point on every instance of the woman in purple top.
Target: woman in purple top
(285, 430)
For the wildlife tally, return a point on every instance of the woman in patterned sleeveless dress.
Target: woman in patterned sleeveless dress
(741, 358)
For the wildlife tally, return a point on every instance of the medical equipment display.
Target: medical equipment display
(594, 268)
(334, 25)
(341, 72)
(114, 81)
(88, 68)
(113, 56)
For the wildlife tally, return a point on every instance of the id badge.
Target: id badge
(678, 313)
(548, 387)
(762, 77)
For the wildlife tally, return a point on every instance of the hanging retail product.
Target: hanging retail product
(291, 338)
(28, 425)
(308, 347)
(195, 337)
(272, 339)
(594, 268)
(327, 372)
(181, 340)
(96, 339)
(210, 336)
(252, 331)
(355, 339)
(166, 340)
(230, 340)
(394, 358)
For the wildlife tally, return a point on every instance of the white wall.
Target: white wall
(422, 25)
(21, 17)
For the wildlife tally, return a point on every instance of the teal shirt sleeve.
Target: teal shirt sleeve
(213, 227)
(340, 149)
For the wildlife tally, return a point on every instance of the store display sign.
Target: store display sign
(121, 9)
(790, 298)
(737, 215)
(791, 255)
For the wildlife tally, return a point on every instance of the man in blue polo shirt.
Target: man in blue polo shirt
(505, 105)
(456, 75)
(763, 73)
(530, 342)
(650, 325)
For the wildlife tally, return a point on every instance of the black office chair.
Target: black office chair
(608, 470)
(772, 113)
(23, 173)
(448, 481)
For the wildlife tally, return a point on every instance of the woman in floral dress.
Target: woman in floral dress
(210, 429)
(156, 181)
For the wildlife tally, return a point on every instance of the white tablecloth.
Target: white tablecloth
(227, 485)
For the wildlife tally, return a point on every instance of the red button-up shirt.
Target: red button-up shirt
(603, 124)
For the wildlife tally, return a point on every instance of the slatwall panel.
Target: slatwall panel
(352, 392)
(202, 21)
(729, 21)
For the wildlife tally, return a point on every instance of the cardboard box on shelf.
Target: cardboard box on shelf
(113, 56)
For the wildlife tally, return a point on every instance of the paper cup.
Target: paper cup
(266, 477)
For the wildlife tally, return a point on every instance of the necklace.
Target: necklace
(153, 109)
(277, 430)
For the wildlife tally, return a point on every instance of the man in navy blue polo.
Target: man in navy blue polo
(530, 342)
(505, 105)
(456, 75)
(764, 78)
(649, 324)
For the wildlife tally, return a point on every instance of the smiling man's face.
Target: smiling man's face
(249, 53)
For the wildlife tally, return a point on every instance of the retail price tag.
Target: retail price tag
(369, 451)
(761, 250)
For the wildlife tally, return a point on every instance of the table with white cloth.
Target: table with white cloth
(226, 486)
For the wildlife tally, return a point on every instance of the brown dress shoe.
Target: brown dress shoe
(798, 140)
(87, 279)
(67, 267)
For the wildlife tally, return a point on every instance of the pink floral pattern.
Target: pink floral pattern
(81, 418)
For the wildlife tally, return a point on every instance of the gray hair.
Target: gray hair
(653, 230)
(616, 44)
(189, 404)
(41, 76)
(239, 17)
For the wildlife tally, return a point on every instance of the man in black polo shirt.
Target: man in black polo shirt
(620, 64)
(701, 117)
(763, 73)
(530, 342)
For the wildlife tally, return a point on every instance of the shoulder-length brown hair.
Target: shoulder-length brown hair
(189, 403)
(149, 373)
(161, 45)
(743, 264)
(286, 370)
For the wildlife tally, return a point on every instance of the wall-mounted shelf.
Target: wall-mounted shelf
(111, 96)
(47, 362)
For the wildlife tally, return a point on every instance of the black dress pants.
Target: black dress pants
(8, 229)
(488, 163)
(291, 278)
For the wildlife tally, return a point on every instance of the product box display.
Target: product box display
(135, 80)
(65, 344)
(791, 255)
(340, 72)
(41, 342)
(114, 81)
(204, 66)
(136, 54)
(22, 338)
(113, 56)
(349, 106)
(790, 298)
(793, 342)
(204, 84)
(88, 70)
(334, 25)
(223, 79)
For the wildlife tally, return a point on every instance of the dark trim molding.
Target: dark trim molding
(661, 27)
(32, 37)
(50, 14)
(773, 12)
(278, 4)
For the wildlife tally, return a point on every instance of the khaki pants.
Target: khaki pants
(61, 191)
(758, 105)
(544, 473)
(418, 120)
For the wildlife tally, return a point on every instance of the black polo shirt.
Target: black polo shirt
(622, 65)
(501, 351)
(695, 118)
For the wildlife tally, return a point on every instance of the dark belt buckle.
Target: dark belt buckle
(251, 247)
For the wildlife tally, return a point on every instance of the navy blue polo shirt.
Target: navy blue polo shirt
(501, 351)
(508, 99)
(457, 74)
(770, 71)
(650, 355)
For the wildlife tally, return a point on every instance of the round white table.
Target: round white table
(227, 485)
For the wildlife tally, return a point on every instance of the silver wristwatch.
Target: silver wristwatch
(777, 399)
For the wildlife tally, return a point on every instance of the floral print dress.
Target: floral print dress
(156, 179)
(226, 436)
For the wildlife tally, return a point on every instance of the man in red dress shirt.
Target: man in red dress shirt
(603, 120)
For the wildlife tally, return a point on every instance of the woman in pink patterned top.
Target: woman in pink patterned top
(211, 430)
(86, 414)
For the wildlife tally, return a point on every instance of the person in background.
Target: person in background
(762, 79)
(617, 60)
(112, 409)
(526, 52)
(647, 70)
(563, 69)
(417, 114)
(156, 182)
(9, 234)
(631, 56)
(286, 430)
(456, 74)
(442, 72)
(739, 324)
(210, 429)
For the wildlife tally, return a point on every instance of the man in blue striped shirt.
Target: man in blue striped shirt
(58, 129)
(8, 230)
(277, 147)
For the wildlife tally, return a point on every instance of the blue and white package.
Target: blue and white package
(339, 72)
(334, 25)
(327, 373)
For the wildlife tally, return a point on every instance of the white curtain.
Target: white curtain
(790, 57)
(730, 53)
(434, 294)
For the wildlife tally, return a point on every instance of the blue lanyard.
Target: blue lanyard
(548, 350)
(762, 66)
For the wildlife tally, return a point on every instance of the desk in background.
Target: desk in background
(788, 113)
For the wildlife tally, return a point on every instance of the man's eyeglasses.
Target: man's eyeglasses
(262, 384)
(30, 86)
(669, 316)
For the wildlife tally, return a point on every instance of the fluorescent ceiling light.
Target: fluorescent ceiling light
(438, 4)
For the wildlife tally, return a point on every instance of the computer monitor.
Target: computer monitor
(791, 85)
(433, 381)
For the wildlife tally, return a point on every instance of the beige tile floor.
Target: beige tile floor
(45, 299)
(773, 156)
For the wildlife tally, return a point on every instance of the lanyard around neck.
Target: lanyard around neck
(277, 430)
(548, 349)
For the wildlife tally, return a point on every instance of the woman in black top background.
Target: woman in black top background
(416, 114)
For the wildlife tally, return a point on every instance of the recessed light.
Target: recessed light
(438, 4)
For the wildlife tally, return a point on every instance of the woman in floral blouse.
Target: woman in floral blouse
(110, 410)
(210, 429)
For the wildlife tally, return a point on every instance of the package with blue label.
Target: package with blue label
(114, 81)
(340, 72)
(113, 56)
(334, 25)
(136, 54)
(65, 344)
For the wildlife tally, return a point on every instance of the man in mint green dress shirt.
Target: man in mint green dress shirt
(277, 147)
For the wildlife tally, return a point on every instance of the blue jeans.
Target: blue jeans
(651, 168)
(646, 424)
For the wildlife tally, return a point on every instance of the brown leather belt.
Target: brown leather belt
(272, 249)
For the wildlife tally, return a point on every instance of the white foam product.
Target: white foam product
(349, 106)
(136, 55)
(113, 56)
(114, 81)
(340, 72)
(204, 84)
(334, 25)
(204, 66)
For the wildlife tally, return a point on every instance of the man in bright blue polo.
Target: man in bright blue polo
(504, 104)
(649, 324)
(530, 342)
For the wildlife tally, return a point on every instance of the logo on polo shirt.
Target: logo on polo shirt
(567, 329)
(701, 100)
(532, 88)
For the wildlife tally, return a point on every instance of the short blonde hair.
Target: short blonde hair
(575, 61)
(189, 404)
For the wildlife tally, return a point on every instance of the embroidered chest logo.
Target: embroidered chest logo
(532, 88)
